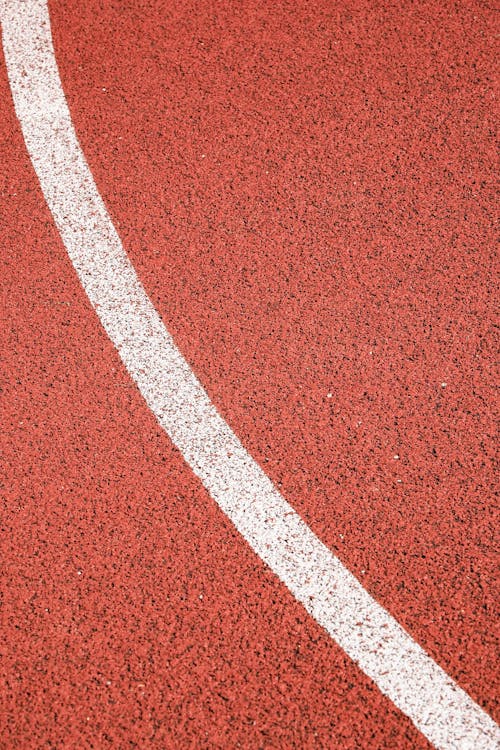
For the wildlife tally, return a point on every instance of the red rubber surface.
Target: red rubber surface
(306, 191)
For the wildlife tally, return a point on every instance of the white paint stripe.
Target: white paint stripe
(442, 711)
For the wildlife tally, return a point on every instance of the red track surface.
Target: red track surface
(306, 192)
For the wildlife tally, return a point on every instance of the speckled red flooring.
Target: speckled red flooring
(307, 191)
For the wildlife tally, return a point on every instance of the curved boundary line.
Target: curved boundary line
(439, 708)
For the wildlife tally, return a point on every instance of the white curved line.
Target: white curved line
(440, 709)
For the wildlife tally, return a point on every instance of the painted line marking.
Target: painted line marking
(402, 670)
